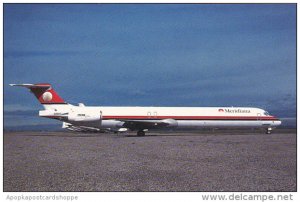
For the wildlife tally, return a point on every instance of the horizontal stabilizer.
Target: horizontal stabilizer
(27, 85)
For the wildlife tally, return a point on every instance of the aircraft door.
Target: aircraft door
(259, 118)
(100, 122)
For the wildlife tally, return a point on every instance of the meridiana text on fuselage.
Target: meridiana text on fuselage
(235, 110)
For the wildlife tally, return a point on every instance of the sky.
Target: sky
(150, 55)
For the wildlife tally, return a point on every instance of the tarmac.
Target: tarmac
(181, 161)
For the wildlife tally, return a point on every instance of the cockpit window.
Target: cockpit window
(266, 113)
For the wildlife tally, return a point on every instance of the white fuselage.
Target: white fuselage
(82, 118)
(175, 117)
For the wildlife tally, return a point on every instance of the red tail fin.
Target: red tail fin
(43, 92)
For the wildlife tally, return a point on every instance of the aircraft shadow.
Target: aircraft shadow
(190, 135)
(80, 135)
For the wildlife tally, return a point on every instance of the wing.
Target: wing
(149, 124)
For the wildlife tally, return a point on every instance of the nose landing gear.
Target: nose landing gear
(269, 130)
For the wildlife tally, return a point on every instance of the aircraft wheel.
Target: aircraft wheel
(140, 133)
(269, 130)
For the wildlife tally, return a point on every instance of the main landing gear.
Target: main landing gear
(141, 133)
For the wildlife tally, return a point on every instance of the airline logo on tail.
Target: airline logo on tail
(47, 96)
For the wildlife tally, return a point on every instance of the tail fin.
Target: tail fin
(43, 92)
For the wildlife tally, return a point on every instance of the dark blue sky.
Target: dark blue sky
(151, 54)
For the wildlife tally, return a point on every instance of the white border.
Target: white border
(133, 196)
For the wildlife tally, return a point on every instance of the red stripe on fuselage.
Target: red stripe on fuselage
(268, 118)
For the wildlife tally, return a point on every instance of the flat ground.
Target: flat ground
(203, 161)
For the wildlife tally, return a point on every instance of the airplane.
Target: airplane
(141, 119)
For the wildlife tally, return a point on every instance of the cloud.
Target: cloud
(25, 118)
(17, 107)
(21, 113)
